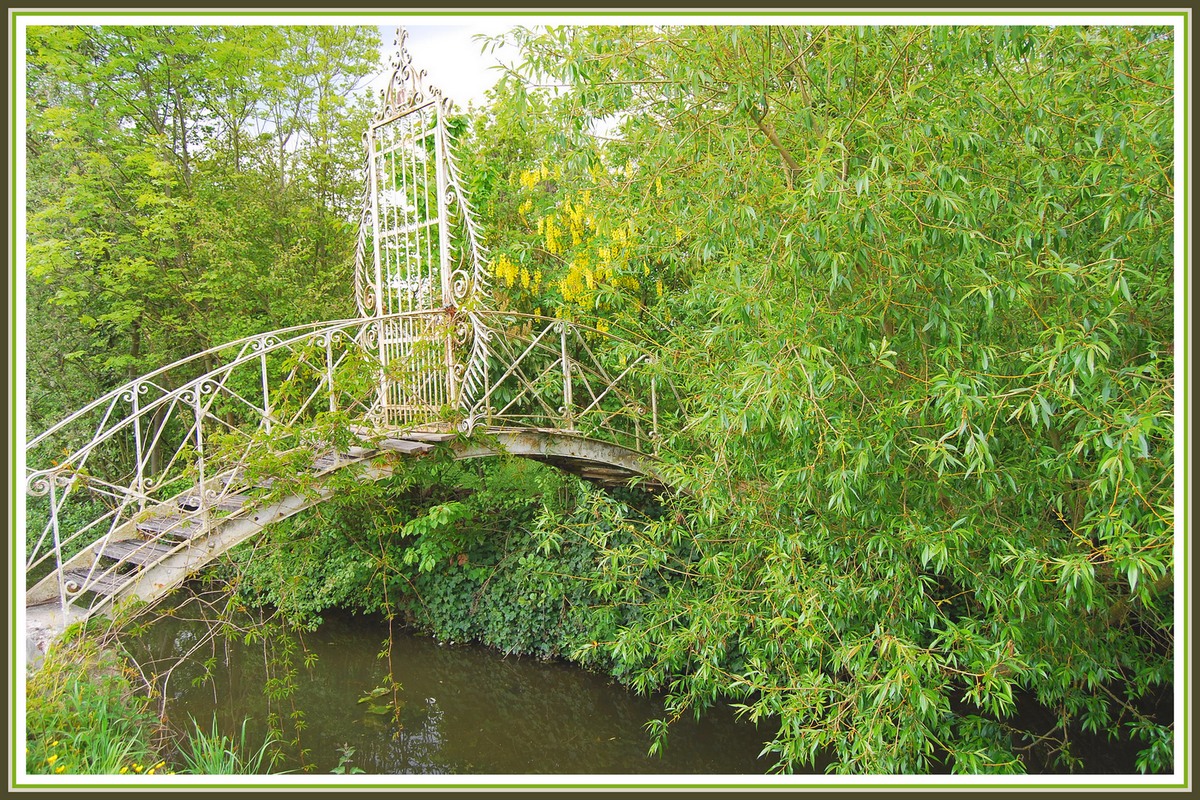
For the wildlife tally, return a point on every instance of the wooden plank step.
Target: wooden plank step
(134, 551)
(101, 583)
(238, 478)
(230, 502)
(428, 436)
(405, 446)
(173, 525)
(325, 461)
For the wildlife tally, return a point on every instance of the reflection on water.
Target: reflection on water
(464, 709)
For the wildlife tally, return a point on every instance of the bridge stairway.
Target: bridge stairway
(196, 518)
(169, 528)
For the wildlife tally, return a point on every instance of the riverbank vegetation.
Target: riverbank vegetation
(90, 713)
(913, 288)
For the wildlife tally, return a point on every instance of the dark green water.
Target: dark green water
(464, 709)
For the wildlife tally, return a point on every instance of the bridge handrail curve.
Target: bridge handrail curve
(532, 364)
(115, 394)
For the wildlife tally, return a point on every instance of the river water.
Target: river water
(464, 709)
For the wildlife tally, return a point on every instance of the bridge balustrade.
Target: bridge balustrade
(147, 469)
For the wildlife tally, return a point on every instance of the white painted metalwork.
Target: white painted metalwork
(418, 251)
(149, 473)
(158, 461)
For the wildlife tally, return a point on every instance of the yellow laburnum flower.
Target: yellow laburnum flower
(659, 287)
(658, 186)
(524, 278)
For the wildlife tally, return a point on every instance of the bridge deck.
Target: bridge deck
(150, 556)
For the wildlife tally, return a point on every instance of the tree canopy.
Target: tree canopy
(186, 186)
(915, 285)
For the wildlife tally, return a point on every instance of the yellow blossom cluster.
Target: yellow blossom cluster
(549, 227)
(504, 268)
(579, 217)
(529, 179)
(593, 253)
(576, 285)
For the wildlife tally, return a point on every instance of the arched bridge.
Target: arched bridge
(144, 486)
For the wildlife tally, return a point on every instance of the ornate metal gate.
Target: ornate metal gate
(422, 254)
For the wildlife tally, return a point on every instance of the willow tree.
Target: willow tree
(916, 287)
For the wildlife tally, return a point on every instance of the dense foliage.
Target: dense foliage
(916, 284)
(186, 186)
(471, 551)
(913, 287)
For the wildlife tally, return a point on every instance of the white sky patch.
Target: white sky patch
(452, 59)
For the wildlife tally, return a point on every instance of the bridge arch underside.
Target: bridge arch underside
(607, 465)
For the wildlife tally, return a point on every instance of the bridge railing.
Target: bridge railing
(129, 455)
(558, 375)
(189, 432)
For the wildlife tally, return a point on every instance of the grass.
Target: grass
(84, 717)
(213, 753)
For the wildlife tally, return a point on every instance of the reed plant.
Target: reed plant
(213, 753)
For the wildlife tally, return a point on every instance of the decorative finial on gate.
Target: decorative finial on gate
(406, 88)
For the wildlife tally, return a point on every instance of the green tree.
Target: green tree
(918, 295)
(187, 185)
